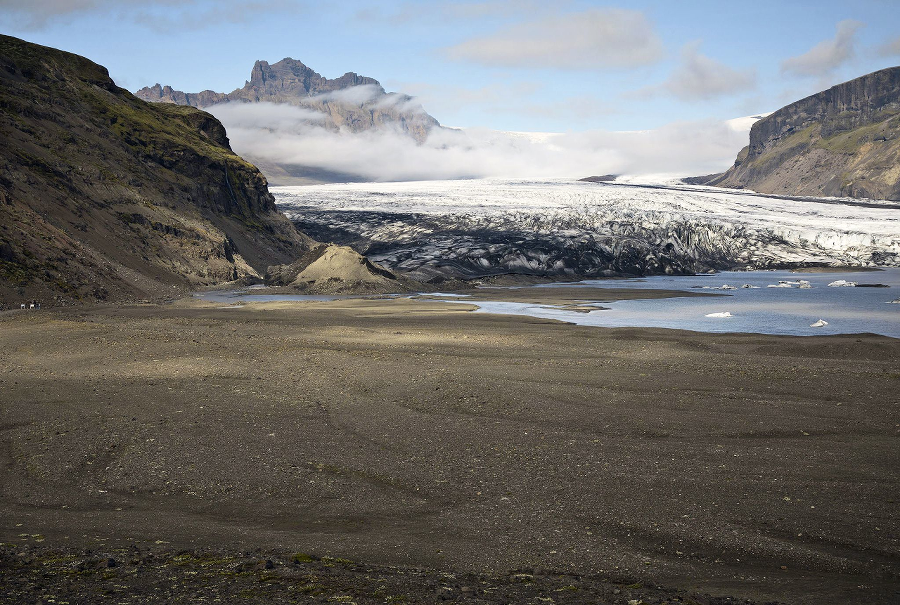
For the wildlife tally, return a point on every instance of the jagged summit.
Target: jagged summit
(293, 77)
(292, 82)
(844, 141)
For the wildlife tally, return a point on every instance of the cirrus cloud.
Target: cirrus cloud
(591, 39)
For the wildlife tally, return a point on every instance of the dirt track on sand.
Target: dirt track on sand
(414, 433)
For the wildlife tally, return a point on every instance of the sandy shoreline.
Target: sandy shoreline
(415, 433)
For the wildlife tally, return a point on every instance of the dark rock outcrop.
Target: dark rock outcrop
(106, 197)
(844, 141)
(605, 178)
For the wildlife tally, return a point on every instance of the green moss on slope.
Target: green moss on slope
(79, 152)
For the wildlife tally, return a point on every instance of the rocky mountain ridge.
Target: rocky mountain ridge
(843, 142)
(106, 197)
(290, 81)
(346, 106)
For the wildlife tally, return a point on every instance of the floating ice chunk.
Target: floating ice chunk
(727, 287)
(842, 283)
(805, 284)
(819, 324)
(444, 294)
(894, 302)
(780, 284)
(750, 287)
(721, 314)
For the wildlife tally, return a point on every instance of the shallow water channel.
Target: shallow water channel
(762, 302)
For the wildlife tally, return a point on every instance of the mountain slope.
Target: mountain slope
(106, 197)
(844, 141)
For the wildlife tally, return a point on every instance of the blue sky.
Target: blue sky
(499, 64)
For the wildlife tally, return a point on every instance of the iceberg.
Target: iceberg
(842, 283)
(819, 324)
(721, 314)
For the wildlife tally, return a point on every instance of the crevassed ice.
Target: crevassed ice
(741, 226)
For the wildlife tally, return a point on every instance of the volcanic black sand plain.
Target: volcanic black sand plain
(377, 451)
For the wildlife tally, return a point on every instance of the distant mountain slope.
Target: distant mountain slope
(844, 141)
(106, 197)
(352, 102)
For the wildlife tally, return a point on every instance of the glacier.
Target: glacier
(434, 230)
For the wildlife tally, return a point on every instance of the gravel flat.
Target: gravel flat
(414, 435)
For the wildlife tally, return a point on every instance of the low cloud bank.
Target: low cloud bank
(290, 136)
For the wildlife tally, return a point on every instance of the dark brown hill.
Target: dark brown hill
(106, 197)
(844, 141)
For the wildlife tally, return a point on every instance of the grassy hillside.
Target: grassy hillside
(106, 197)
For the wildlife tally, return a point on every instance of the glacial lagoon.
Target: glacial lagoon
(774, 302)
(785, 308)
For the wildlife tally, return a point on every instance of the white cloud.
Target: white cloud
(273, 117)
(572, 109)
(408, 13)
(826, 56)
(592, 39)
(891, 48)
(684, 148)
(494, 8)
(500, 97)
(699, 77)
(160, 15)
(354, 95)
(400, 102)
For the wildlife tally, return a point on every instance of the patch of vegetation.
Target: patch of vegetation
(787, 146)
(184, 559)
(849, 142)
(14, 273)
(330, 561)
(302, 557)
(313, 588)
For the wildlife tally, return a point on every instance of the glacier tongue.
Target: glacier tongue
(480, 227)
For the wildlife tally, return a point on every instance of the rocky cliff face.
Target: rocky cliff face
(844, 141)
(290, 81)
(106, 197)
